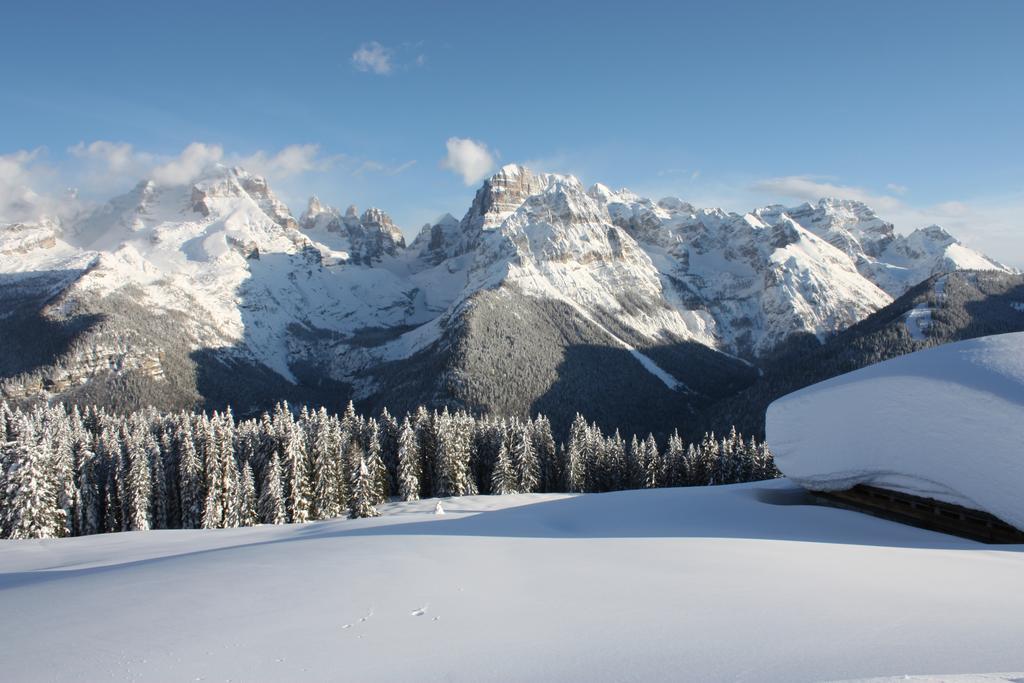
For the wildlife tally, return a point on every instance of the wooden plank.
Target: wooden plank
(925, 513)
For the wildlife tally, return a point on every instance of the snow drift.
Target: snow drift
(945, 423)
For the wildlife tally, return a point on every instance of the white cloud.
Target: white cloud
(401, 168)
(373, 57)
(187, 166)
(810, 189)
(30, 189)
(897, 189)
(116, 157)
(291, 160)
(468, 158)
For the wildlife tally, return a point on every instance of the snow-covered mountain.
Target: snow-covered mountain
(545, 290)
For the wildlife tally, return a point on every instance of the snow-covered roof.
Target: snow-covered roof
(945, 423)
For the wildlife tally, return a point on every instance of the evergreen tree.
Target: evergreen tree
(544, 446)
(389, 448)
(191, 488)
(375, 462)
(503, 476)
(158, 486)
(247, 498)
(676, 473)
(524, 460)
(425, 437)
(363, 492)
(89, 512)
(139, 482)
(28, 507)
(63, 473)
(272, 501)
(652, 462)
(615, 459)
(409, 464)
(637, 460)
(575, 456)
(328, 485)
(296, 479)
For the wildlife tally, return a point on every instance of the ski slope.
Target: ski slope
(746, 582)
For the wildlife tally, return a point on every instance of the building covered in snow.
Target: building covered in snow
(934, 437)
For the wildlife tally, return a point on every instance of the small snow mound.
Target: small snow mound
(438, 509)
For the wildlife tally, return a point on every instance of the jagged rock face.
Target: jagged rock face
(848, 225)
(760, 282)
(368, 237)
(438, 241)
(22, 238)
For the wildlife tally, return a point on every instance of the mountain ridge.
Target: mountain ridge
(339, 299)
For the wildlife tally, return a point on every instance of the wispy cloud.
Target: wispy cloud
(468, 158)
(374, 58)
(21, 174)
(809, 188)
(382, 60)
(289, 161)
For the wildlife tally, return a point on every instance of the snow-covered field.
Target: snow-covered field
(745, 582)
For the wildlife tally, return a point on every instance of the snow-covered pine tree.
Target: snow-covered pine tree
(576, 456)
(389, 448)
(271, 504)
(62, 470)
(652, 460)
(503, 476)
(375, 462)
(636, 458)
(6, 423)
(764, 463)
(28, 505)
(409, 464)
(361, 500)
(191, 486)
(327, 498)
(692, 465)
(89, 505)
(544, 446)
(524, 460)
(675, 461)
(247, 497)
(158, 486)
(725, 472)
(615, 458)
(709, 455)
(139, 481)
(427, 441)
(296, 478)
(213, 476)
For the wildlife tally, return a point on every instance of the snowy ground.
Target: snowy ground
(745, 582)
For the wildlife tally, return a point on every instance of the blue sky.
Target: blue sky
(916, 107)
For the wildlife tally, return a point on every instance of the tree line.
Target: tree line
(67, 471)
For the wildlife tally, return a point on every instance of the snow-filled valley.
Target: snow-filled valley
(748, 582)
